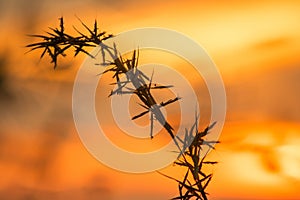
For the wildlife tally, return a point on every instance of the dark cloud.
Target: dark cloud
(6, 94)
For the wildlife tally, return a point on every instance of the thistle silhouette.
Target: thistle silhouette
(56, 42)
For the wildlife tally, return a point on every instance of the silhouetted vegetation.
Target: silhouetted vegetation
(56, 42)
(195, 180)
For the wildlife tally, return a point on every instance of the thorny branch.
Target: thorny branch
(56, 42)
(195, 180)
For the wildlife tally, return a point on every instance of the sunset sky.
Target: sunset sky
(254, 44)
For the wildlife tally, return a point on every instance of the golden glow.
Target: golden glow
(255, 45)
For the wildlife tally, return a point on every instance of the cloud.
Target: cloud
(268, 94)
(278, 42)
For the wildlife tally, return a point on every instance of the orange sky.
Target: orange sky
(255, 46)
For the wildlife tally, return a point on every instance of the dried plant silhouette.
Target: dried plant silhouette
(57, 42)
(195, 180)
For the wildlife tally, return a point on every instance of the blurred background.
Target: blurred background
(255, 45)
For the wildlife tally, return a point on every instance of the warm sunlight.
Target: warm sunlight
(255, 46)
